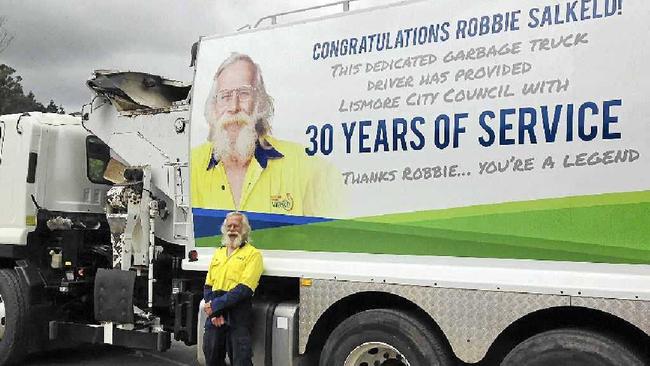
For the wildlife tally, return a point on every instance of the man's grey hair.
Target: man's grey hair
(263, 111)
(246, 226)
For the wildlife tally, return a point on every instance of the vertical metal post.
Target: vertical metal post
(153, 210)
(151, 280)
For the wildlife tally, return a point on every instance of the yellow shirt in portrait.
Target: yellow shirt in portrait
(282, 179)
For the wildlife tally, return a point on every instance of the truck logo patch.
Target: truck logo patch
(280, 201)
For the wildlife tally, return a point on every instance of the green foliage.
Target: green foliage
(13, 98)
(53, 108)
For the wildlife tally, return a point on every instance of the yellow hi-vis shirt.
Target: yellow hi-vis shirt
(244, 266)
(280, 180)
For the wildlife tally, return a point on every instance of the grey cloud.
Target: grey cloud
(58, 43)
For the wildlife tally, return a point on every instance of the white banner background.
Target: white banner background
(611, 66)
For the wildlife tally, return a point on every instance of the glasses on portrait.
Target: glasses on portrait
(243, 93)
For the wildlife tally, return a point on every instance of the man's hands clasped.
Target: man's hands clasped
(217, 321)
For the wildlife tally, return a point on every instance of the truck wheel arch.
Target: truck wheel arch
(550, 319)
(576, 346)
(385, 336)
(362, 301)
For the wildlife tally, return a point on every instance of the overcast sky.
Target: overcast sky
(58, 43)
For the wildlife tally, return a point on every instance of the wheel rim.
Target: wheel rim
(376, 354)
(3, 318)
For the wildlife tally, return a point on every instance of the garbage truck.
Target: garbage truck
(430, 183)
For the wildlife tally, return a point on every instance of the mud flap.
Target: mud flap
(185, 316)
(114, 296)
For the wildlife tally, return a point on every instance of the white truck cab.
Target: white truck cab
(61, 165)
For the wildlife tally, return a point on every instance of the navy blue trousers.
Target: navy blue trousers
(232, 338)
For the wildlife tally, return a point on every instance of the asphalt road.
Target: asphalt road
(103, 355)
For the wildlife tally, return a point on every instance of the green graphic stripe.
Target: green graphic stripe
(348, 240)
(510, 207)
(603, 228)
(618, 226)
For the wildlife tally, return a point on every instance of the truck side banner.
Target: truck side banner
(475, 128)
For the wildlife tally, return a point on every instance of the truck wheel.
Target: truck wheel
(383, 337)
(12, 318)
(575, 347)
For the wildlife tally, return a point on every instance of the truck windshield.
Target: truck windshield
(97, 157)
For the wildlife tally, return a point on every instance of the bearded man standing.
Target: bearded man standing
(242, 167)
(233, 276)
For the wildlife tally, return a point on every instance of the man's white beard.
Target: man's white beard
(235, 242)
(242, 147)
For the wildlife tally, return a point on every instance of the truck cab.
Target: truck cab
(69, 177)
(53, 229)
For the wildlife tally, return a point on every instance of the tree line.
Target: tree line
(14, 100)
(12, 97)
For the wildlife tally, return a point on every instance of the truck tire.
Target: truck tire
(384, 337)
(12, 318)
(575, 347)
